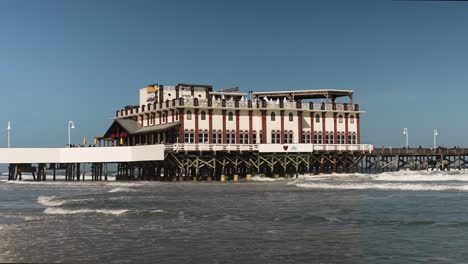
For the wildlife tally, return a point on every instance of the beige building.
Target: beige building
(195, 114)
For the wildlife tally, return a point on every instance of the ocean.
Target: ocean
(397, 217)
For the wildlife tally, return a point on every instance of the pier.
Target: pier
(224, 162)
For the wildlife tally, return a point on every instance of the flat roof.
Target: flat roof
(229, 93)
(306, 94)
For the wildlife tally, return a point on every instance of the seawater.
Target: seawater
(398, 217)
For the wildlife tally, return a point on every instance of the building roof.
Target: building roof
(306, 94)
(132, 127)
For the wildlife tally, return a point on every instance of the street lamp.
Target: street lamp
(405, 132)
(71, 125)
(435, 138)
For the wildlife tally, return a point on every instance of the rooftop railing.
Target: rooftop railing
(230, 104)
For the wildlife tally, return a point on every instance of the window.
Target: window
(340, 119)
(203, 115)
(244, 137)
(231, 137)
(288, 136)
(318, 138)
(254, 137)
(202, 136)
(189, 115)
(273, 117)
(151, 119)
(340, 138)
(305, 136)
(217, 137)
(329, 138)
(275, 137)
(164, 117)
(352, 138)
(177, 115)
(260, 135)
(291, 117)
(230, 116)
(317, 118)
(351, 119)
(189, 136)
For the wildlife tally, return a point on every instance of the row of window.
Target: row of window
(203, 137)
(273, 117)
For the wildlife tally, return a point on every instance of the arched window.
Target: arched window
(317, 118)
(164, 117)
(177, 115)
(273, 117)
(230, 116)
(151, 119)
(189, 115)
(351, 119)
(291, 117)
(340, 119)
(203, 115)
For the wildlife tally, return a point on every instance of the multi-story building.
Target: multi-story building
(195, 114)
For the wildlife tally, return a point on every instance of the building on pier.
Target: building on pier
(196, 114)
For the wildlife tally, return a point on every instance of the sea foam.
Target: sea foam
(61, 211)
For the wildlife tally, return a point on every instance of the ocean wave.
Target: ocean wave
(383, 186)
(266, 179)
(56, 201)
(122, 189)
(61, 211)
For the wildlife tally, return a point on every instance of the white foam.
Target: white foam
(120, 189)
(56, 201)
(383, 186)
(61, 211)
(266, 179)
(49, 201)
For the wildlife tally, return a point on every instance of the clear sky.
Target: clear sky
(61, 60)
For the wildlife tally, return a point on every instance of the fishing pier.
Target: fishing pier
(197, 162)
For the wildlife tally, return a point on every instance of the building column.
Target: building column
(299, 127)
(224, 127)
(210, 126)
(282, 126)
(358, 126)
(334, 127)
(251, 127)
(181, 126)
(196, 126)
(312, 123)
(324, 132)
(264, 127)
(346, 128)
(237, 126)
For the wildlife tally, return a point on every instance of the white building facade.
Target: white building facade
(195, 114)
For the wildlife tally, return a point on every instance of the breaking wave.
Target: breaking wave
(61, 211)
(121, 189)
(56, 201)
(384, 186)
(401, 180)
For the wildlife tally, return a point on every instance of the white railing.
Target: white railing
(303, 148)
(211, 147)
(230, 104)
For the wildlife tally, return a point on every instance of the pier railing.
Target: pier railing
(212, 147)
(420, 151)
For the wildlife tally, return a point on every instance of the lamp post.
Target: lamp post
(71, 125)
(405, 132)
(435, 138)
(9, 134)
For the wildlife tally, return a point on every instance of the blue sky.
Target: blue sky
(81, 60)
